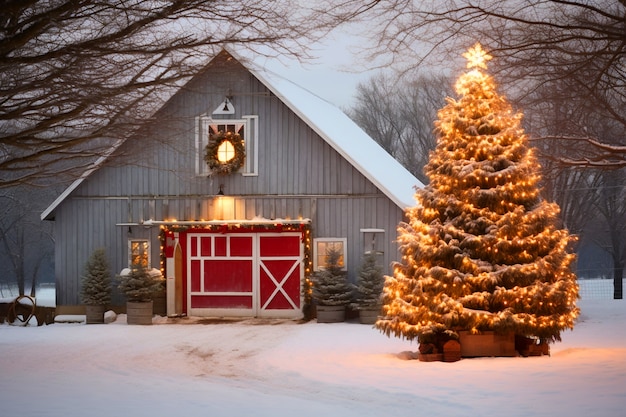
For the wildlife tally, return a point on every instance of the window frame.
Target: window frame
(131, 252)
(373, 241)
(249, 123)
(325, 240)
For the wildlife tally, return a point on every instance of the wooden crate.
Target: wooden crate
(486, 344)
(527, 346)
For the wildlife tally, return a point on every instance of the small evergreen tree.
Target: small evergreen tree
(96, 280)
(370, 283)
(330, 285)
(481, 249)
(140, 284)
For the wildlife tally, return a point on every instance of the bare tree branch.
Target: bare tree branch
(578, 44)
(591, 154)
(77, 75)
(399, 115)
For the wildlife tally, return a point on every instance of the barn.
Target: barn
(235, 192)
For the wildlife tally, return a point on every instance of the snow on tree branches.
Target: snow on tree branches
(481, 251)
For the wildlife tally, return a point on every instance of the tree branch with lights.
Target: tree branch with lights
(481, 251)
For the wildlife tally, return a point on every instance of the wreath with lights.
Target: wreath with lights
(210, 156)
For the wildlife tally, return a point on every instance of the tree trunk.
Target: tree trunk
(618, 275)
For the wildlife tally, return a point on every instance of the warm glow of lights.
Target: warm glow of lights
(225, 152)
(481, 249)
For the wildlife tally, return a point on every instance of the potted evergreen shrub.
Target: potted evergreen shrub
(331, 290)
(368, 289)
(139, 284)
(96, 287)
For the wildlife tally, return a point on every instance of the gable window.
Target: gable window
(247, 130)
(322, 245)
(139, 253)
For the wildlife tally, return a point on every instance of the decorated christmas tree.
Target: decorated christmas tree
(481, 250)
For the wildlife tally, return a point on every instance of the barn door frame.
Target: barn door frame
(266, 267)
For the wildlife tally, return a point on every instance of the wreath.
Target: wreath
(210, 156)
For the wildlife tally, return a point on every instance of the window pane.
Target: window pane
(323, 246)
(225, 152)
(139, 253)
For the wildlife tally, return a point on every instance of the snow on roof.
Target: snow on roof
(333, 125)
(346, 137)
(47, 213)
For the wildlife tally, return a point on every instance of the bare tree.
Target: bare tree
(26, 243)
(580, 43)
(609, 203)
(78, 76)
(553, 122)
(399, 112)
(588, 191)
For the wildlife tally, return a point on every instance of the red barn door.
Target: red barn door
(280, 274)
(244, 274)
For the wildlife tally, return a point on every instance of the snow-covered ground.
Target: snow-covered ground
(282, 368)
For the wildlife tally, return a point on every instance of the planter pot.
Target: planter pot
(451, 351)
(94, 314)
(331, 314)
(139, 312)
(159, 305)
(369, 315)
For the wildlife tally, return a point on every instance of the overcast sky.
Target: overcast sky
(335, 74)
(339, 67)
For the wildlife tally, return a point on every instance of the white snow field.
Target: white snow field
(283, 368)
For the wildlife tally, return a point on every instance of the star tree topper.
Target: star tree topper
(477, 57)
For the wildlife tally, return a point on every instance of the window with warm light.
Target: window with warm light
(225, 152)
(247, 130)
(139, 252)
(320, 250)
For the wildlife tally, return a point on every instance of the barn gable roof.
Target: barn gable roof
(329, 122)
(346, 137)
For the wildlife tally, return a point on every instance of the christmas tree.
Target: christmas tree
(330, 285)
(481, 250)
(96, 289)
(370, 282)
(140, 283)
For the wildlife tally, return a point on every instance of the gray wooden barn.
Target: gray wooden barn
(235, 193)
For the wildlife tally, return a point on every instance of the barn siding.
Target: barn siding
(152, 177)
(292, 158)
(86, 224)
